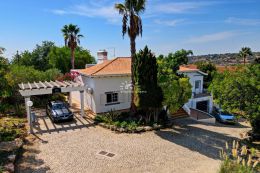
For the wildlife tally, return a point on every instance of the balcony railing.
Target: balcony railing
(204, 93)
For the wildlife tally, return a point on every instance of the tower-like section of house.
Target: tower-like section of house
(102, 56)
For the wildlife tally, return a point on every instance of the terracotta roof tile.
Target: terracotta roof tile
(190, 67)
(117, 66)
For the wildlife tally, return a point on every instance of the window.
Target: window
(112, 98)
(197, 84)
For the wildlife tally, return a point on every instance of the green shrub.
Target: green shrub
(11, 128)
(238, 160)
(228, 166)
(132, 125)
(117, 123)
(123, 124)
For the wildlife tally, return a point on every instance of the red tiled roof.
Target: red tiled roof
(117, 66)
(190, 67)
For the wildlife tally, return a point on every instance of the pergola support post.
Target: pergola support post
(82, 103)
(70, 99)
(28, 111)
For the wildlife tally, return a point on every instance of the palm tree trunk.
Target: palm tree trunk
(133, 50)
(244, 60)
(72, 58)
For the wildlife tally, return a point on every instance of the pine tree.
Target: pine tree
(148, 95)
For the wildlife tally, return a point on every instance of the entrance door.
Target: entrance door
(203, 106)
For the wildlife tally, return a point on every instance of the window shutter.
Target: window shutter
(103, 99)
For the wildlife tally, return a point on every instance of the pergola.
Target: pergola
(42, 88)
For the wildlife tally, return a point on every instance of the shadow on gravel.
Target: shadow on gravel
(44, 124)
(27, 161)
(204, 141)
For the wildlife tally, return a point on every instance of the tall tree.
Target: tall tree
(71, 34)
(244, 53)
(148, 94)
(176, 89)
(238, 92)
(132, 25)
(59, 57)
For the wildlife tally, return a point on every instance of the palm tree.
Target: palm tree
(244, 52)
(132, 25)
(65, 32)
(72, 39)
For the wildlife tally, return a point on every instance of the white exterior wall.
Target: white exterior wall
(194, 76)
(97, 100)
(111, 84)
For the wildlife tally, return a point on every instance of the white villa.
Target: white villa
(109, 85)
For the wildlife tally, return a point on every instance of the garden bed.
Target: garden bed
(12, 132)
(123, 123)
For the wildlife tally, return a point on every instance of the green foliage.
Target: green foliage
(11, 128)
(59, 57)
(174, 60)
(148, 94)
(132, 125)
(244, 53)
(232, 167)
(38, 58)
(22, 74)
(238, 92)
(117, 119)
(72, 36)
(4, 67)
(210, 69)
(176, 89)
(237, 159)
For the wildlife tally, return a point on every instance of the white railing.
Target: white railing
(186, 108)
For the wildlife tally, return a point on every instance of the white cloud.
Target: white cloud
(181, 7)
(169, 22)
(212, 37)
(59, 12)
(240, 21)
(93, 9)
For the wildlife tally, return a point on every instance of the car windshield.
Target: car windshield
(226, 113)
(58, 106)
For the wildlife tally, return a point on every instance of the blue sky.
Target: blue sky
(209, 26)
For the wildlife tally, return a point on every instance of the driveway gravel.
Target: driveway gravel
(74, 148)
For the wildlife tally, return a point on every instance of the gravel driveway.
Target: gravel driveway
(74, 148)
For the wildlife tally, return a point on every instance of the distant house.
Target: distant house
(109, 84)
(200, 99)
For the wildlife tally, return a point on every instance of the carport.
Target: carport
(43, 88)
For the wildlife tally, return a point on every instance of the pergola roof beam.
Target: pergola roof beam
(30, 86)
(50, 85)
(44, 86)
(54, 83)
(61, 83)
(37, 86)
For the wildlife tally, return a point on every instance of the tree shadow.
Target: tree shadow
(45, 125)
(197, 139)
(27, 161)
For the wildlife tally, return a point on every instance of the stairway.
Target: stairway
(181, 113)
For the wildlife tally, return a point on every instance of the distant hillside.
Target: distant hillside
(222, 59)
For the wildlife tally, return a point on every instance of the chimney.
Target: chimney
(102, 56)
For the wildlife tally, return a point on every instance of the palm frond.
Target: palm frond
(121, 8)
